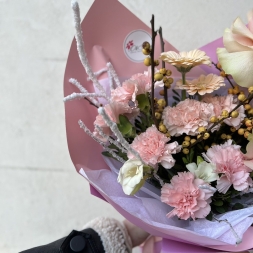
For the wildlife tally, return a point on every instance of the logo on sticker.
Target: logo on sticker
(133, 45)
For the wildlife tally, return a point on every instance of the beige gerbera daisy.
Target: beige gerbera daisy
(184, 61)
(202, 85)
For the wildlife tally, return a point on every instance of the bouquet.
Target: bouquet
(178, 141)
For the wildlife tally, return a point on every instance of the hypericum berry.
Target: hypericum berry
(250, 89)
(241, 97)
(186, 144)
(206, 147)
(229, 137)
(185, 151)
(222, 73)
(158, 77)
(162, 128)
(161, 92)
(230, 91)
(241, 131)
(168, 73)
(192, 141)
(248, 123)
(187, 138)
(223, 136)
(213, 119)
(250, 111)
(201, 129)
(170, 80)
(158, 115)
(247, 107)
(232, 129)
(156, 62)
(146, 45)
(218, 65)
(145, 51)
(206, 136)
(161, 102)
(234, 114)
(147, 61)
(163, 71)
(224, 113)
(246, 134)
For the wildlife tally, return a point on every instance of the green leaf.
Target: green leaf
(218, 203)
(220, 209)
(174, 91)
(143, 103)
(185, 160)
(138, 187)
(112, 146)
(191, 155)
(209, 216)
(237, 206)
(125, 127)
(199, 160)
(176, 98)
(106, 153)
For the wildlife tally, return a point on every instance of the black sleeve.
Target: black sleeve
(85, 241)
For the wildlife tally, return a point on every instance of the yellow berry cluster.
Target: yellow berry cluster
(146, 50)
(246, 128)
(186, 143)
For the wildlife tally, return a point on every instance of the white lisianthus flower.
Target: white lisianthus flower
(131, 176)
(204, 171)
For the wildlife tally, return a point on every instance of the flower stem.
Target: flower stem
(163, 64)
(216, 66)
(152, 21)
(183, 92)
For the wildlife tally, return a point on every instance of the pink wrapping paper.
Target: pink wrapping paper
(103, 45)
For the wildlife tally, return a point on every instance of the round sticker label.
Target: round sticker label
(132, 45)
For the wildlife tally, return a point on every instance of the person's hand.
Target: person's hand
(137, 235)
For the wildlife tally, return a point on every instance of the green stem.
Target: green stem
(183, 92)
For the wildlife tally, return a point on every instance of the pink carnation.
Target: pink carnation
(152, 148)
(125, 93)
(113, 110)
(229, 161)
(187, 116)
(227, 103)
(183, 193)
(142, 82)
(137, 84)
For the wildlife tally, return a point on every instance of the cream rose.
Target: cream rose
(131, 176)
(236, 57)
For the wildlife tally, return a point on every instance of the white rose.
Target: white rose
(131, 176)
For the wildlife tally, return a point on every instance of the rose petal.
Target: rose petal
(231, 44)
(240, 28)
(236, 64)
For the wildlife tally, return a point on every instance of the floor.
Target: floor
(42, 198)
